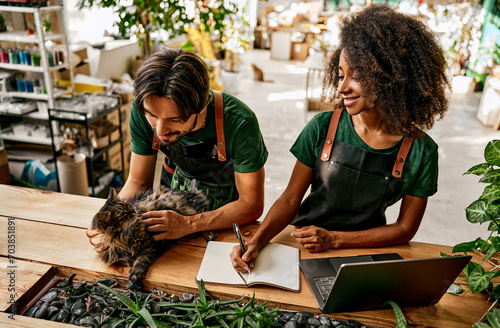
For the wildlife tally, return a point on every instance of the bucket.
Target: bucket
(73, 174)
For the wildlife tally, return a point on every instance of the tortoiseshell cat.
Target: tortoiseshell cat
(125, 234)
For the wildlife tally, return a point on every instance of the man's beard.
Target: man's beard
(177, 135)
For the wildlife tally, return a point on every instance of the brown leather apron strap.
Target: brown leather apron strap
(330, 136)
(401, 158)
(219, 125)
(168, 168)
(156, 142)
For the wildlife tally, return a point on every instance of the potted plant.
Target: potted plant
(143, 18)
(235, 42)
(486, 209)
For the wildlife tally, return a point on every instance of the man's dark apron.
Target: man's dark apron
(202, 166)
(352, 190)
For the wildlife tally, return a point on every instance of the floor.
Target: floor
(280, 107)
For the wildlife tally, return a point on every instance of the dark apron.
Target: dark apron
(352, 190)
(202, 166)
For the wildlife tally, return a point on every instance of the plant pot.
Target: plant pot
(230, 81)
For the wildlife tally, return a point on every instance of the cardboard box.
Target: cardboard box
(81, 53)
(115, 162)
(81, 68)
(300, 50)
(125, 115)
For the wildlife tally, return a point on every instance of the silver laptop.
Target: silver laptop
(359, 283)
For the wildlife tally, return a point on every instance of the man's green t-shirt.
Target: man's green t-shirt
(421, 167)
(244, 141)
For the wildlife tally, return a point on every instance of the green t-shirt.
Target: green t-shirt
(421, 169)
(244, 142)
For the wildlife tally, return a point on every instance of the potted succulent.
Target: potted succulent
(486, 209)
(143, 18)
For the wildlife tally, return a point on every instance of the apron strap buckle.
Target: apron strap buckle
(330, 136)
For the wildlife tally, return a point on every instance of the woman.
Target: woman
(387, 82)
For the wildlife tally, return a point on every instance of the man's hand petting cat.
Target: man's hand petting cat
(95, 238)
(167, 224)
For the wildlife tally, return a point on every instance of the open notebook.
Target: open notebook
(277, 265)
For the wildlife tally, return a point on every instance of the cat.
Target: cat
(125, 235)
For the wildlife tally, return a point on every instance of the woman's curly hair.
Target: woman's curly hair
(399, 64)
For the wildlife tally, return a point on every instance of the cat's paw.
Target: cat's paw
(135, 286)
(135, 281)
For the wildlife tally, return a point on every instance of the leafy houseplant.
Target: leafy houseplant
(235, 41)
(485, 209)
(143, 17)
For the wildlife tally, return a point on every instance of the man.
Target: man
(211, 140)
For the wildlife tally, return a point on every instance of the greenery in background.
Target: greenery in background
(143, 17)
(493, 320)
(235, 41)
(496, 53)
(46, 22)
(486, 209)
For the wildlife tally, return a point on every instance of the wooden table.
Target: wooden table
(50, 238)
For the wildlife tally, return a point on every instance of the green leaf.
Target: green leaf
(400, 317)
(124, 299)
(479, 281)
(476, 212)
(466, 247)
(478, 169)
(201, 291)
(491, 251)
(492, 176)
(494, 318)
(491, 192)
(492, 152)
(160, 324)
(473, 267)
(144, 313)
(481, 325)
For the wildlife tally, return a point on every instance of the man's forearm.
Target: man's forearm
(132, 188)
(240, 211)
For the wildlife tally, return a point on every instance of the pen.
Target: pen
(237, 232)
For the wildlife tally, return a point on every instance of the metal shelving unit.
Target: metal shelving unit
(85, 119)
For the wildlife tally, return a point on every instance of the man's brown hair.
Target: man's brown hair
(177, 74)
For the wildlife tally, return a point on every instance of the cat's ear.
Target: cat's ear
(112, 194)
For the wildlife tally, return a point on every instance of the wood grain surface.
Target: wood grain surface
(50, 233)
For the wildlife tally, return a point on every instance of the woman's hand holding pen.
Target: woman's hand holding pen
(244, 262)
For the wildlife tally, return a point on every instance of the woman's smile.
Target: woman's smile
(349, 101)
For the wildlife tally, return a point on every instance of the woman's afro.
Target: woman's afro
(400, 65)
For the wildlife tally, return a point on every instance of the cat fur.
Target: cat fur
(125, 235)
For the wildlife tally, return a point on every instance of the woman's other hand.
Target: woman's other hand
(313, 238)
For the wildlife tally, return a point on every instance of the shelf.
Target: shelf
(20, 36)
(29, 68)
(8, 135)
(37, 96)
(15, 9)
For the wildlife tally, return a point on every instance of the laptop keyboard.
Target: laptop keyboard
(324, 285)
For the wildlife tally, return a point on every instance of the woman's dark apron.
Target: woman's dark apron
(352, 190)
(202, 166)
